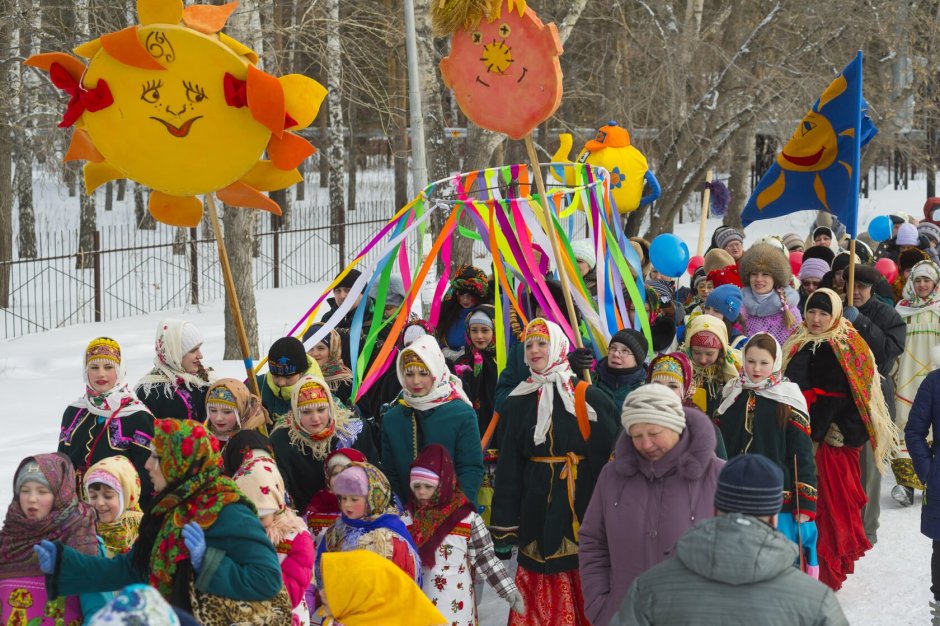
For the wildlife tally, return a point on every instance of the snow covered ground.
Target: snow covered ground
(41, 373)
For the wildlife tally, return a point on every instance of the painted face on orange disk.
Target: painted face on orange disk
(812, 147)
(505, 74)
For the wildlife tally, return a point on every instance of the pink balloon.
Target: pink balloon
(888, 269)
(695, 263)
(796, 261)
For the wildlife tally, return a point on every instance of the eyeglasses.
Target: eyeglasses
(620, 351)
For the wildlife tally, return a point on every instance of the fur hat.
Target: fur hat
(910, 257)
(819, 252)
(716, 259)
(763, 257)
(867, 274)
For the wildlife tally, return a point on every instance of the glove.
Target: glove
(47, 553)
(516, 603)
(504, 553)
(195, 540)
(850, 313)
(581, 359)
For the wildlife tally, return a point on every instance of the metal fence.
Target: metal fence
(131, 272)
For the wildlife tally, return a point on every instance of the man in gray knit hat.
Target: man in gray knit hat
(734, 568)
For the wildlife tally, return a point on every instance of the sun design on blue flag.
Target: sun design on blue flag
(814, 147)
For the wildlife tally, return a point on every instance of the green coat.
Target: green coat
(406, 431)
(616, 387)
(240, 563)
(530, 503)
(760, 433)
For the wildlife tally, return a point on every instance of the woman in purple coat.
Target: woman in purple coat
(661, 481)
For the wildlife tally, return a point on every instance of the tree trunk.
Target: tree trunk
(108, 196)
(336, 154)
(438, 148)
(88, 222)
(180, 239)
(6, 163)
(739, 175)
(25, 91)
(121, 189)
(238, 234)
(142, 216)
(352, 157)
(324, 130)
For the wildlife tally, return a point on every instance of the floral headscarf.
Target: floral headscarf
(118, 473)
(118, 401)
(467, 279)
(434, 520)
(554, 378)
(727, 366)
(342, 426)
(911, 304)
(261, 482)
(446, 387)
(168, 361)
(71, 521)
(775, 387)
(249, 412)
(196, 491)
(136, 605)
(334, 370)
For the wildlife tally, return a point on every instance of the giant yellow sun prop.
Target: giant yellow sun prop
(182, 108)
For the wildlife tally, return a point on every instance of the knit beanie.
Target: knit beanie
(867, 275)
(929, 231)
(813, 268)
(750, 484)
(422, 475)
(30, 473)
(287, 357)
(841, 262)
(349, 280)
(726, 236)
(103, 350)
(190, 338)
(705, 339)
(352, 481)
(819, 301)
(663, 289)
(653, 404)
(480, 318)
(583, 250)
(907, 235)
(635, 341)
(727, 300)
(792, 241)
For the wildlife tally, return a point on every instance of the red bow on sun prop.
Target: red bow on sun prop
(236, 95)
(82, 99)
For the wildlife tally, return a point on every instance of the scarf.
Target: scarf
(447, 386)
(858, 365)
(775, 387)
(168, 369)
(435, 519)
(249, 412)
(765, 305)
(116, 402)
(674, 365)
(911, 304)
(120, 474)
(726, 367)
(554, 378)
(285, 393)
(334, 370)
(342, 427)
(325, 501)
(261, 482)
(71, 521)
(196, 492)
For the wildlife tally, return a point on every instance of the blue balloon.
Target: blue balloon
(669, 255)
(880, 228)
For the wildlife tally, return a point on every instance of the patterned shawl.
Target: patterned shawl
(775, 387)
(118, 401)
(118, 473)
(261, 482)
(911, 303)
(447, 386)
(343, 426)
(196, 492)
(249, 413)
(71, 521)
(858, 364)
(168, 361)
(434, 520)
(334, 370)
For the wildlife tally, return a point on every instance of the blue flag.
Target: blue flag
(817, 169)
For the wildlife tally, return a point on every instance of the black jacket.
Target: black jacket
(883, 330)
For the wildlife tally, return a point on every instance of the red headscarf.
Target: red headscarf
(447, 507)
(71, 521)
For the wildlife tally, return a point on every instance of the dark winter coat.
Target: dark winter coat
(617, 386)
(345, 324)
(925, 412)
(480, 388)
(819, 373)
(165, 400)
(885, 332)
(406, 431)
(514, 373)
(276, 400)
(303, 474)
(760, 433)
(127, 436)
(729, 570)
(530, 503)
(640, 509)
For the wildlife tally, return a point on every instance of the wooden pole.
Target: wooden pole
(232, 296)
(553, 239)
(850, 281)
(706, 198)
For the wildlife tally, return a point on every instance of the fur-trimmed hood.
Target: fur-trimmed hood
(763, 257)
(690, 457)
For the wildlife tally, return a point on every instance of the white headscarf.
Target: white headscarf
(447, 387)
(775, 387)
(168, 360)
(911, 304)
(118, 401)
(556, 377)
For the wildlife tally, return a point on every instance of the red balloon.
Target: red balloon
(888, 269)
(796, 261)
(695, 263)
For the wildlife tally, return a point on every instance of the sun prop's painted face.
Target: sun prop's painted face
(180, 107)
(505, 73)
(812, 147)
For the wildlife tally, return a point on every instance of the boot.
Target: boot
(903, 495)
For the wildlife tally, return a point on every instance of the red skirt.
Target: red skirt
(549, 599)
(842, 539)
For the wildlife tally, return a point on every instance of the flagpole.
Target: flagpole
(850, 283)
(855, 180)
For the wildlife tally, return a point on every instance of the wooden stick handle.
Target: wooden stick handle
(232, 295)
(706, 198)
(850, 282)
